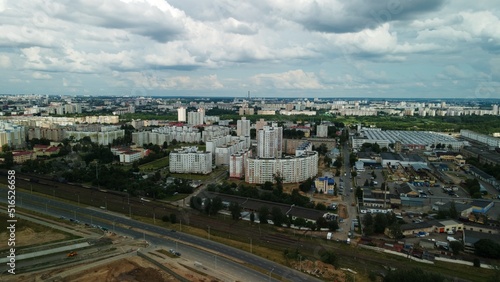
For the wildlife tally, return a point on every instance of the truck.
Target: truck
(443, 245)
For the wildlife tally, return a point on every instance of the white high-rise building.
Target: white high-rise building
(243, 127)
(190, 160)
(495, 110)
(269, 142)
(12, 134)
(196, 118)
(322, 130)
(181, 114)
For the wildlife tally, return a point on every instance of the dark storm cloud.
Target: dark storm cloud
(356, 15)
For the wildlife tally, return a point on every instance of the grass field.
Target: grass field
(156, 164)
(191, 176)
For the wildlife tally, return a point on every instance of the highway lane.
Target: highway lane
(132, 228)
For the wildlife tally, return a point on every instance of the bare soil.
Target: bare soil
(321, 270)
(126, 270)
(343, 211)
(28, 237)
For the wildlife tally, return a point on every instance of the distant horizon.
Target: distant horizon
(262, 97)
(431, 49)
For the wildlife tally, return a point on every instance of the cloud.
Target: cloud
(357, 47)
(39, 75)
(351, 16)
(234, 26)
(294, 79)
(5, 61)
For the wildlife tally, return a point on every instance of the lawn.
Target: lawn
(156, 164)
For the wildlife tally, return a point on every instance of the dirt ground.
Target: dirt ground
(125, 270)
(343, 211)
(28, 237)
(321, 270)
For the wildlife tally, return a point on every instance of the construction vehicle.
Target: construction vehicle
(72, 254)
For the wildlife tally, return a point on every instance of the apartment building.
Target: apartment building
(237, 164)
(12, 134)
(291, 169)
(243, 127)
(105, 135)
(270, 142)
(190, 160)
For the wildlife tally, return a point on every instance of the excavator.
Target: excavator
(72, 254)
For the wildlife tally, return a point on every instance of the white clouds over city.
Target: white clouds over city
(333, 48)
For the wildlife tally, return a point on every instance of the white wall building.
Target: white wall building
(243, 127)
(12, 134)
(196, 118)
(270, 142)
(105, 136)
(322, 130)
(237, 164)
(158, 136)
(190, 160)
(291, 169)
(181, 114)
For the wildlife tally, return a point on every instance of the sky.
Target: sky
(272, 48)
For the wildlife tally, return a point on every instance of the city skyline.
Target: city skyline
(325, 49)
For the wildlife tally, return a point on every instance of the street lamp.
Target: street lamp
(270, 273)
(154, 215)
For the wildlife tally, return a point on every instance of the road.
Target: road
(349, 196)
(160, 236)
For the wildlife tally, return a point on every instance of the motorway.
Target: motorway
(158, 236)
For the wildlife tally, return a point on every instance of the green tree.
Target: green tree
(263, 214)
(412, 275)
(329, 257)
(395, 231)
(268, 185)
(213, 206)
(487, 248)
(8, 160)
(453, 213)
(333, 225)
(235, 210)
(320, 207)
(306, 185)
(456, 247)
(278, 217)
(380, 223)
(299, 222)
(173, 218)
